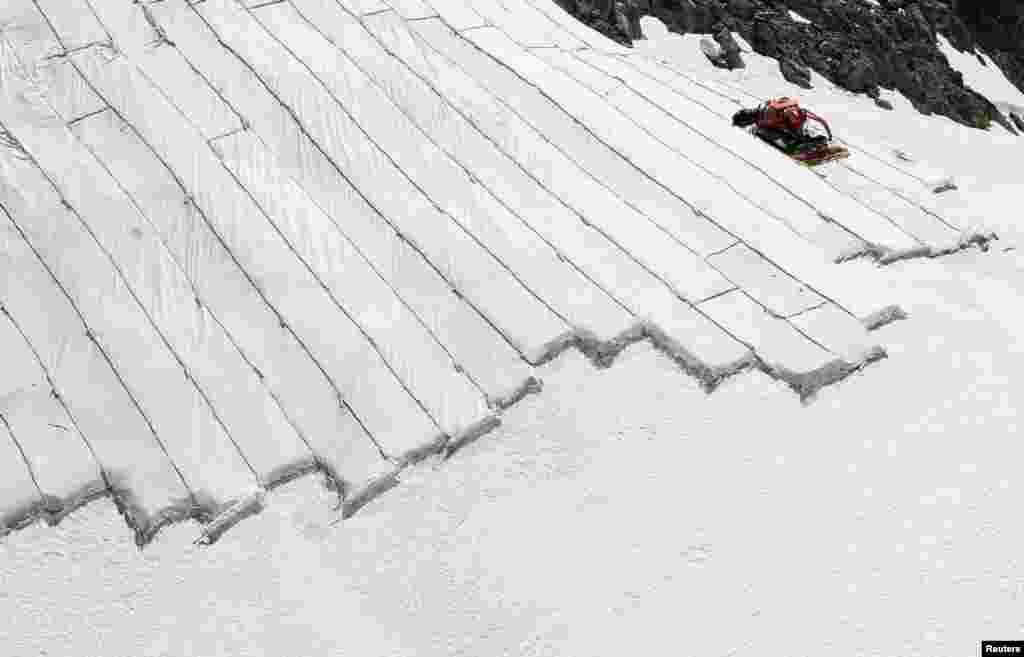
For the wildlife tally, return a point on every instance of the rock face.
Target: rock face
(795, 73)
(723, 51)
(730, 49)
(860, 45)
(996, 27)
(618, 20)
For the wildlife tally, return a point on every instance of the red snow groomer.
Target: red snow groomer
(783, 123)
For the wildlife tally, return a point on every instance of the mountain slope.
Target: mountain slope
(286, 183)
(292, 238)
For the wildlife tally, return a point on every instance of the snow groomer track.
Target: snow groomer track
(244, 242)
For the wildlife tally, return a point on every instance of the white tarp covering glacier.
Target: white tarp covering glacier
(246, 241)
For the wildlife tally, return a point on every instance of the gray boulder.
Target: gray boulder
(713, 52)
(730, 49)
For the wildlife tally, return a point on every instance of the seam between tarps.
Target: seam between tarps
(880, 254)
(642, 265)
(146, 313)
(219, 239)
(108, 359)
(201, 303)
(291, 248)
(692, 304)
(6, 312)
(724, 83)
(458, 366)
(163, 338)
(24, 457)
(189, 196)
(899, 194)
(338, 229)
(405, 175)
(634, 165)
(446, 152)
(583, 219)
(473, 123)
(333, 298)
(672, 149)
(670, 89)
(398, 233)
(628, 60)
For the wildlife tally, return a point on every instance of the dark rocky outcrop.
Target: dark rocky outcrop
(730, 49)
(996, 27)
(723, 51)
(618, 20)
(859, 46)
(795, 73)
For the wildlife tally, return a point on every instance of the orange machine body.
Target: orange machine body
(782, 114)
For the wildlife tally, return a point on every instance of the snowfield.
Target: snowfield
(508, 341)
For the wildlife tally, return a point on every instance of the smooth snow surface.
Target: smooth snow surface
(245, 242)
